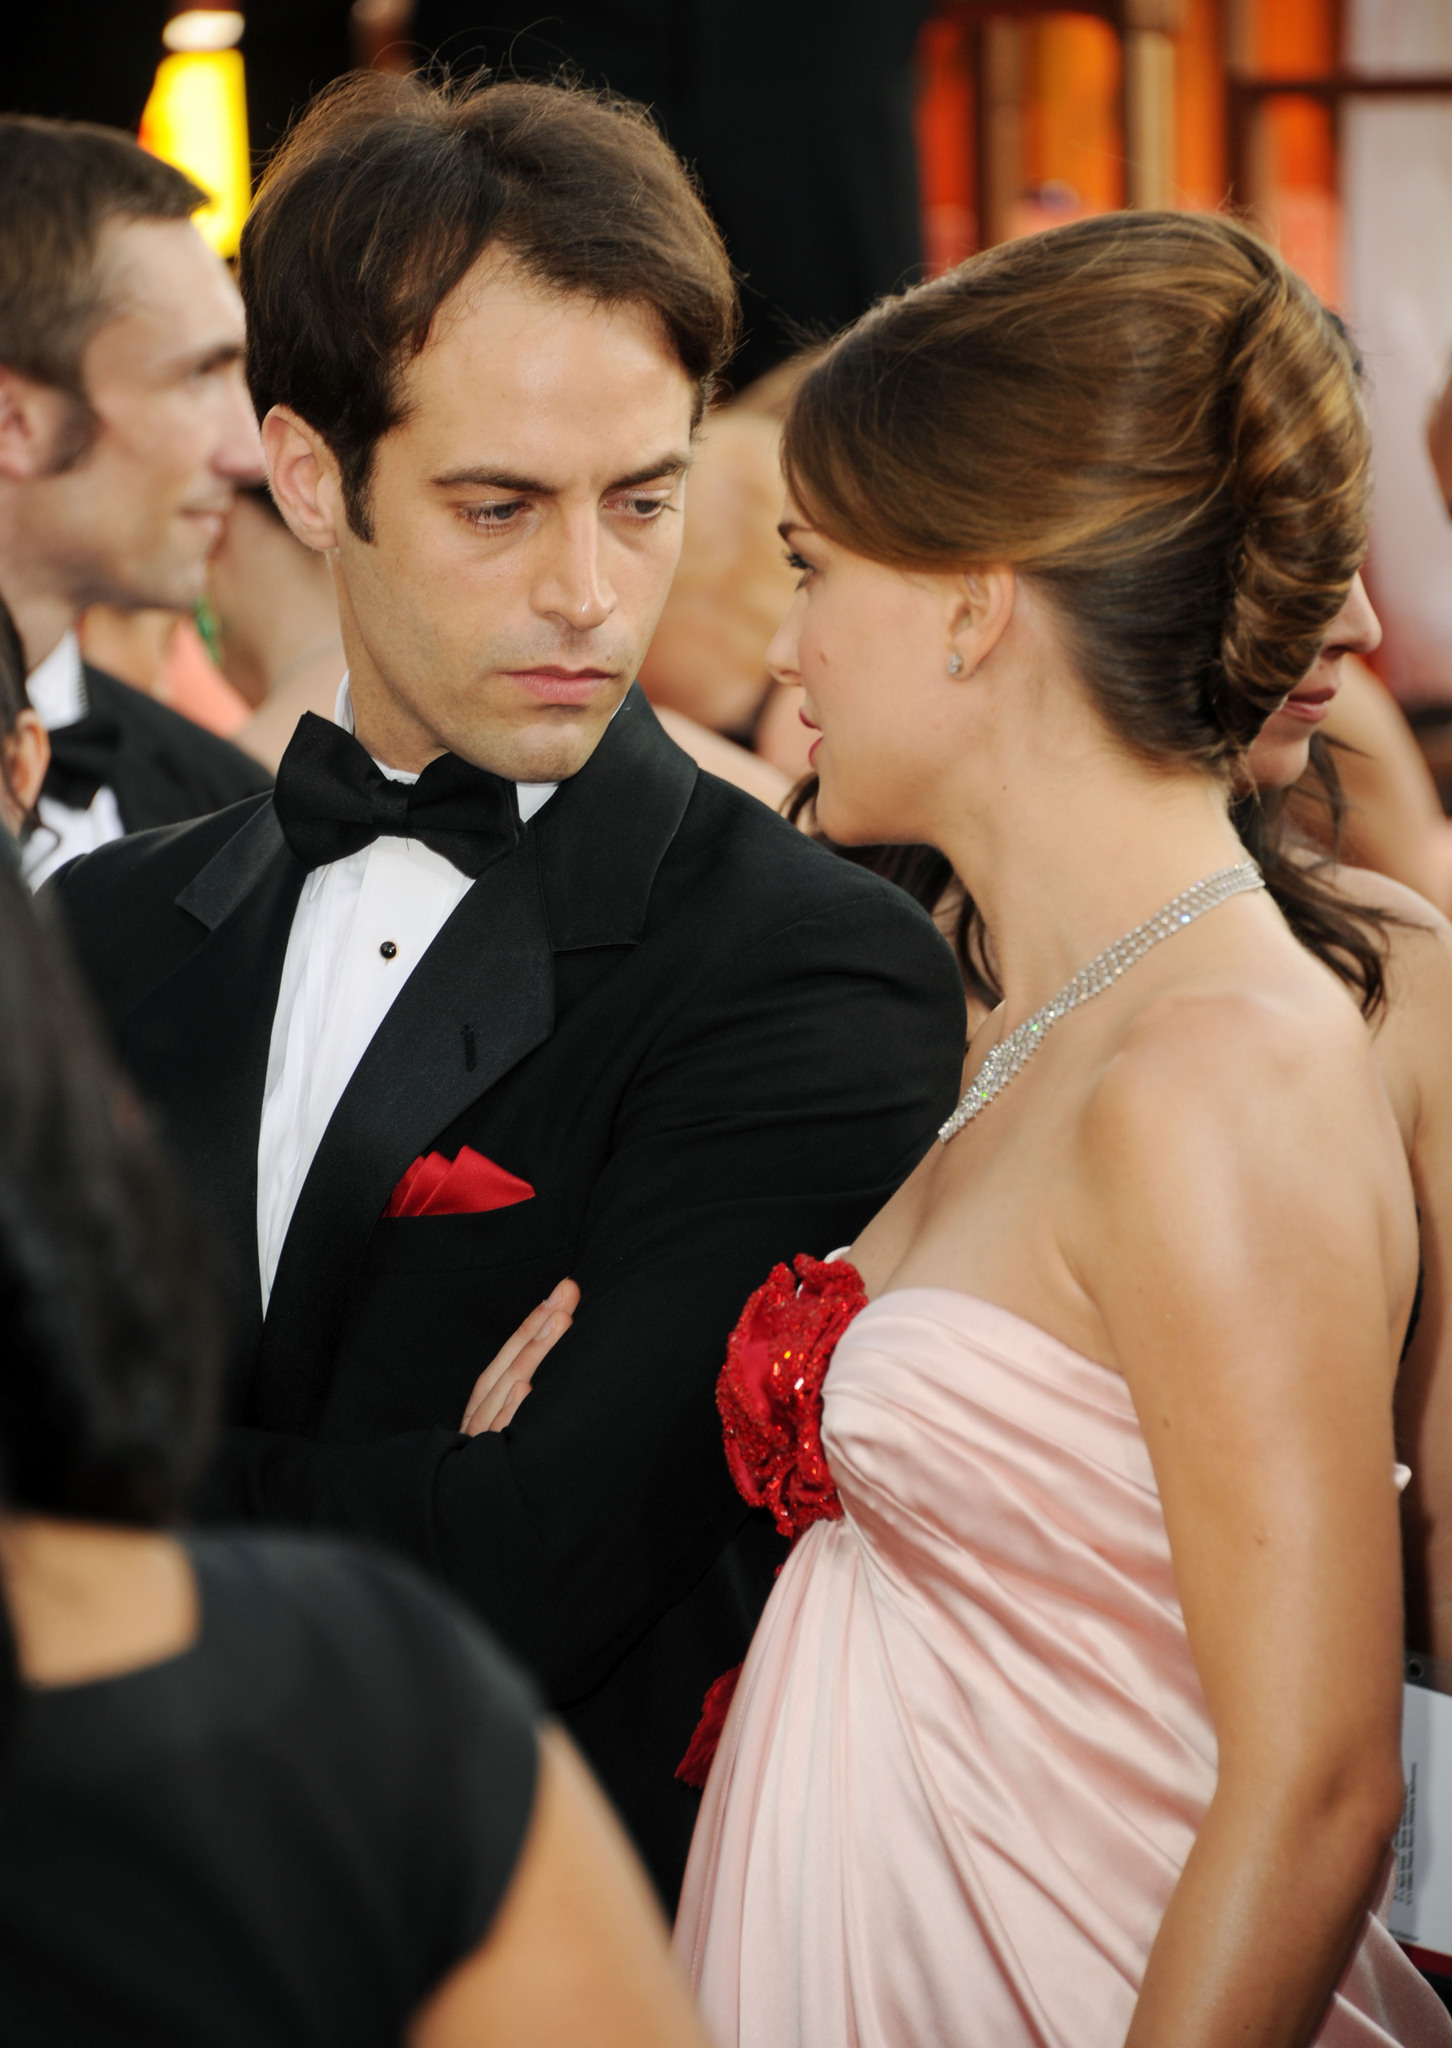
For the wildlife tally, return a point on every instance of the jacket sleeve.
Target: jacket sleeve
(784, 1100)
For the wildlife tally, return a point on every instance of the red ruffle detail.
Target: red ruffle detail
(695, 1766)
(770, 1398)
(770, 1390)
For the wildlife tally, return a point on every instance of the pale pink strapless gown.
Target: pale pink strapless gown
(969, 1753)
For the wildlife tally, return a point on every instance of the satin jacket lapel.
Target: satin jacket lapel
(198, 1044)
(605, 832)
(479, 1000)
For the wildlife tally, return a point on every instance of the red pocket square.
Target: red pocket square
(435, 1186)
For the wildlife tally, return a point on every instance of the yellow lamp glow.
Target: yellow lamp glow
(203, 28)
(196, 118)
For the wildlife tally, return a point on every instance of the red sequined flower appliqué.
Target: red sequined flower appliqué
(770, 1390)
(770, 1398)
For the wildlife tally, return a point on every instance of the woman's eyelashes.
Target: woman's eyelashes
(800, 563)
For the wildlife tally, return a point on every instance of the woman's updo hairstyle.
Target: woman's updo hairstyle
(1149, 415)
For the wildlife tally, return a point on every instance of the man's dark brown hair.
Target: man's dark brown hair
(62, 182)
(387, 192)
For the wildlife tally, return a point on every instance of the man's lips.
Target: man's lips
(212, 516)
(561, 685)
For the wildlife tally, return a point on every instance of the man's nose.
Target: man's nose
(238, 455)
(574, 587)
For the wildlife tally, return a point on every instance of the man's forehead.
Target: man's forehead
(163, 273)
(510, 328)
(547, 388)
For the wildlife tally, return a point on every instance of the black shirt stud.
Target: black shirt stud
(388, 950)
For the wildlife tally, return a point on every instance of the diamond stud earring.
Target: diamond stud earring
(955, 663)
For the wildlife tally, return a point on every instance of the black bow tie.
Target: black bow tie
(332, 799)
(82, 757)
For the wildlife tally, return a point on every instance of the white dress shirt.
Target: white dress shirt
(338, 986)
(57, 693)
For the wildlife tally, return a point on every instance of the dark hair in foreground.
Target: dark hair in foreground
(109, 1333)
(388, 190)
(63, 182)
(1148, 415)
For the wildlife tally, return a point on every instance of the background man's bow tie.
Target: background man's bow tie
(332, 799)
(82, 757)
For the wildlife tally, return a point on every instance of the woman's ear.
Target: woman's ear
(24, 758)
(303, 473)
(981, 608)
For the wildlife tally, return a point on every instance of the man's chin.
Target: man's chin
(170, 586)
(551, 748)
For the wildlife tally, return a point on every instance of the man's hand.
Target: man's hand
(504, 1382)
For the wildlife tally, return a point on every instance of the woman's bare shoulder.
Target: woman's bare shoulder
(1223, 1124)
(1418, 939)
(1372, 891)
(1259, 1057)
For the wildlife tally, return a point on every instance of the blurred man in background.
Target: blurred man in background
(125, 430)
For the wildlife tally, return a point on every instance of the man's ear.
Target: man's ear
(981, 607)
(303, 472)
(25, 754)
(33, 418)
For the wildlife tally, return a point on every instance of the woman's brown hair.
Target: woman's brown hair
(1147, 414)
(1157, 421)
(1348, 937)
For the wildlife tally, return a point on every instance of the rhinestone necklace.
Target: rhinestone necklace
(1012, 1054)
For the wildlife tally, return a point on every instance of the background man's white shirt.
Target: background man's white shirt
(338, 986)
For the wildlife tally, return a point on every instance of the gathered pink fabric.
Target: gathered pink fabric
(968, 1753)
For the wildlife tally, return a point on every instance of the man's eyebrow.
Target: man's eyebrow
(531, 487)
(213, 355)
(654, 472)
(493, 480)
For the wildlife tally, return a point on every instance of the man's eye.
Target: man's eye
(644, 508)
(502, 514)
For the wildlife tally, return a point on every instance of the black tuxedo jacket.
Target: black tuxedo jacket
(164, 768)
(706, 1042)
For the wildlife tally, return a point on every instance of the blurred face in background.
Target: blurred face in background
(525, 522)
(1283, 747)
(133, 494)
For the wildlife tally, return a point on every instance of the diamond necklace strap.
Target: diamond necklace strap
(1012, 1054)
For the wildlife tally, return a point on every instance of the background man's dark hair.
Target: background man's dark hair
(388, 190)
(63, 182)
